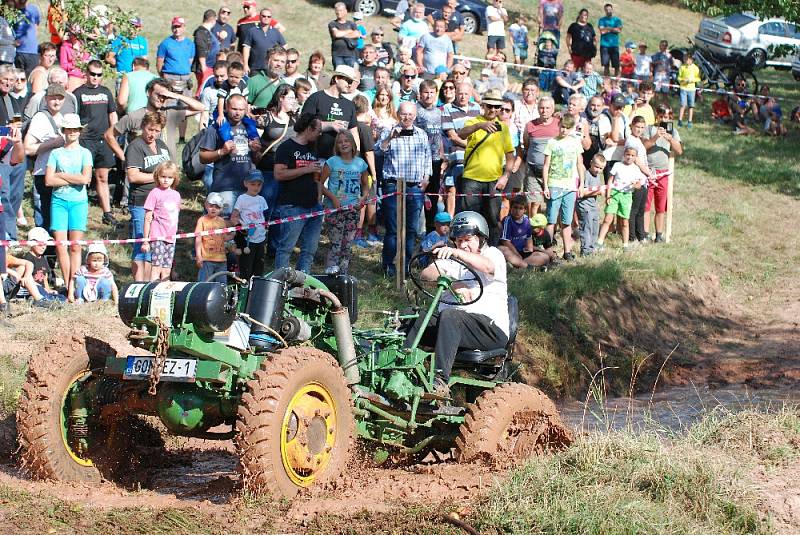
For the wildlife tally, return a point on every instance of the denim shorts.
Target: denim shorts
(496, 41)
(68, 215)
(687, 98)
(137, 231)
(560, 199)
(520, 52)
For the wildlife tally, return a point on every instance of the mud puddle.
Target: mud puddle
(673, 409)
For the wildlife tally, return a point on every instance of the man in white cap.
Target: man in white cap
(488, 159)
(336, 112)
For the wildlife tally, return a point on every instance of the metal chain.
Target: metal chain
(160, 352)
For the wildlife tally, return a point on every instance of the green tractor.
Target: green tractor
(275, 364)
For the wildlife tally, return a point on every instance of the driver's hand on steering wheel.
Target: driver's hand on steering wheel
(444, 252)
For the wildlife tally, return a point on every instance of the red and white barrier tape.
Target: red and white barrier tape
(184, 235)
(310, 215)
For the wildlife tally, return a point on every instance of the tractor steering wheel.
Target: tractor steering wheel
(450, 295)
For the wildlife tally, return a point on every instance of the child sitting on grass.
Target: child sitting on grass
(94, 281)
(250, 209)
(587, 205)
(516, 240)
(209, 251)
(624, 178)
(19, 277)
(41, 268)
(439, 235)
(721, 108)
(162, 208)
(347, 184)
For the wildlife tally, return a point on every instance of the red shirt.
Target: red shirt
(720, 108)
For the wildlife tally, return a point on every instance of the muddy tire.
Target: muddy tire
(44, 451)
(295, 423)
(511, 422)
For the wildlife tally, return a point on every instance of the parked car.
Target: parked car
(473, 11)
(743, 35)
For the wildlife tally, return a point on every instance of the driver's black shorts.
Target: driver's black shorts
(609, 54)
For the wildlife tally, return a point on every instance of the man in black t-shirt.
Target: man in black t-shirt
(336, 112)
(297, 170)
(98, 111)
(344, 34)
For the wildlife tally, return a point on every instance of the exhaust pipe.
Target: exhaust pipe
(343, 331)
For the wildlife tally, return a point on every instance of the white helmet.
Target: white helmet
(98, 248)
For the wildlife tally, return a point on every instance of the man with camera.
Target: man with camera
(407, 158)
(488, 159)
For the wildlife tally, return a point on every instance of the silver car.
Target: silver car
(743, 35)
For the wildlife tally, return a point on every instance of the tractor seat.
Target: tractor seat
(475, 356)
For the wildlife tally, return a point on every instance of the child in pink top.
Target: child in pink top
(162, 207)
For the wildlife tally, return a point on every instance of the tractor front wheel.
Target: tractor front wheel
(295, 423)
(511, 422)
(52, 445)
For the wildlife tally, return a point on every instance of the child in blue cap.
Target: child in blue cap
(438, 236)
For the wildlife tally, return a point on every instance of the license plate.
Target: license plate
(178, 370)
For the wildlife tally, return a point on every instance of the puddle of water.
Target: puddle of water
(673, 409)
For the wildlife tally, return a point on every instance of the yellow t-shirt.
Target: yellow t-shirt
(487, 163)
(688, 77)
(212, 247)
(645, 111)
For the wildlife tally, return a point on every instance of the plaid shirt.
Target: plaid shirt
(407, 158)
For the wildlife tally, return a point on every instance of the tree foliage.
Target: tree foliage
(788, 9)
(84, 19)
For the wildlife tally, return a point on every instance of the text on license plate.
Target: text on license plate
(173, 370)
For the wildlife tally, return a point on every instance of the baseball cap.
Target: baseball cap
(215, 199)
(249, 3)
(630, 44)
(254, 175)
(358, 15)
(178, 21)
(440, 69)
(618, 101)
(38, 234)
(55, 90)
(486, 72)
(539, 221)
(136, 21)
(443, 218)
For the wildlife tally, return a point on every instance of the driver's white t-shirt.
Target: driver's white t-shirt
(494, 301)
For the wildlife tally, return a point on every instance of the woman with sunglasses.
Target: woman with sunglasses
(447, 93)
(277, 122)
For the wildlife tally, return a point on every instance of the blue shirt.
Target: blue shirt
(127, 50)
(71, 161)
(518, 233)
(610, 39)
(345, 179)
(431, 240)
(260, 42)
(25, 30)
(177, 55)
(229, 37)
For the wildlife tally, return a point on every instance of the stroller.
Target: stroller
(546, 57)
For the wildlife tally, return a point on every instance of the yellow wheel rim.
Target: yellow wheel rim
(64, 426)
(308, 434)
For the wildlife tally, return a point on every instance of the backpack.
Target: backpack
(190, 158)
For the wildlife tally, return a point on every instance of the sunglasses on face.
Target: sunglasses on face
(409, 76)
(225, 12)
(291, 61)
(460, 73)
(493, 106)
(95, 74)
(507, 110)
(378, 34)
(449, 88)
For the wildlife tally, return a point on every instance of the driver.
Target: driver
(481, 325)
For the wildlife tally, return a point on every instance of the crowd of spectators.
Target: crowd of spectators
(574, 153)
